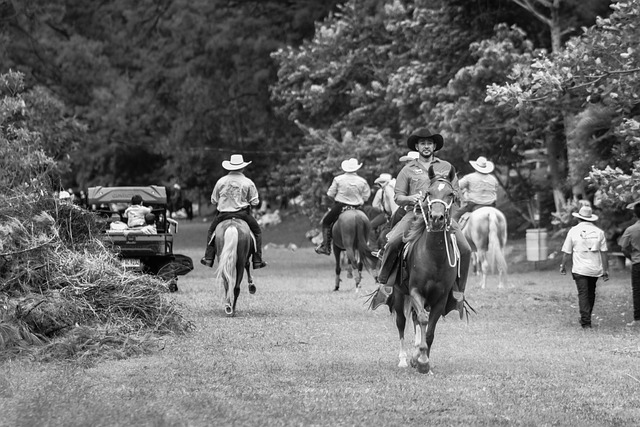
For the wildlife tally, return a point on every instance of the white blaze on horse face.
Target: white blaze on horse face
(441, 187)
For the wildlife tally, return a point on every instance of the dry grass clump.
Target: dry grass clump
(63, 294)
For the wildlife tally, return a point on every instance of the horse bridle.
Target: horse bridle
(430, 202)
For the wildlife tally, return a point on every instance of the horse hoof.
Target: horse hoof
(403, 363)
(252, 288)
(337, 288)
(228, 310)
(423, 368)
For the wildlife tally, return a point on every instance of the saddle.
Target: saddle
(253, 237)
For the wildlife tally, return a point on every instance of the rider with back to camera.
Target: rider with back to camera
(412, 184)
(478, 188)
(347, 189)
(233, 196)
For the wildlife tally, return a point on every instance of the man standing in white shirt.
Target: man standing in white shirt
(587, 246)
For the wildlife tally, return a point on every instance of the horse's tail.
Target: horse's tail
(365, 253)
(496, 242)
(228, 259)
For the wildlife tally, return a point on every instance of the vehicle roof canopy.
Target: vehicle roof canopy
(155, 194)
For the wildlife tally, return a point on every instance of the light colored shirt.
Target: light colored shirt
(479, 188)
(584, 242)
(234, 192)
(350, 189)
(135, 215)
(383, 199)
(631, 238)
(414, 177)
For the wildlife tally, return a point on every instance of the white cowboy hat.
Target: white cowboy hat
(64, 195)
(482, 165)
(235, 163)
(351, 165)
(586, 214)
(411, 155)
(383, 178)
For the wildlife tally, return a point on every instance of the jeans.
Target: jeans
(586, 296)
(635, 290)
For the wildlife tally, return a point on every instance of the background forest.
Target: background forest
(127, 92)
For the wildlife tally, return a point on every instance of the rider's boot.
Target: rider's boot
(257, 255)
(209, 255)
(384, 290)
(324, 248)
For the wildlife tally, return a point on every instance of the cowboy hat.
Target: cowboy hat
(586, 214)
(235, 163)
(633, 204)
(424, 133)
(411, 155)
(482, 165)
(383, 178)
(351, 165)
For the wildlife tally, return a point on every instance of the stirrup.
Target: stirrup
(380, 296)
(259, 264)
(458, 296)
(320, 249)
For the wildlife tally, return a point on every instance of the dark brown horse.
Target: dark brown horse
(427, 279)
(350, 234)
(234, 245)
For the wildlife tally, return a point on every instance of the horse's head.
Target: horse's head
(438, 201)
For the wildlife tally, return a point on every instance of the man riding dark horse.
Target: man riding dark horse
(233, 196)
(347, 190)
(479, 188)
(411, 187)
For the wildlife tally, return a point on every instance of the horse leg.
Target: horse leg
(336, 254)
(228, 304)
(358, 276)
(349, 268)
(483, 266)
(420, 357)
(401, 323)
(252, 286)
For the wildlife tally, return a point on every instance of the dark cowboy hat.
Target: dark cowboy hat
(424, 133)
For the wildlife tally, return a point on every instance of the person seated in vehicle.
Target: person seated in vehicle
(478, 188)
(150, 224)
(136, 212)
(347, 190)
(233, 196)
(411, 188)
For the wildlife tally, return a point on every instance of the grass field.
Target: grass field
(298, 354)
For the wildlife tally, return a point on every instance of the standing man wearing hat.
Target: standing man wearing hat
(347, 189)
(478, 188)
(412, 184)
(630, 244)
(233, 196)
(587, 246)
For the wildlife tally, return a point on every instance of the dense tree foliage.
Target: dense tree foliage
(373, 78)
(165, 87)
(595, 76)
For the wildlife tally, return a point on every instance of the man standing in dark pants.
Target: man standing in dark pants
(587, 246)
(630, 244)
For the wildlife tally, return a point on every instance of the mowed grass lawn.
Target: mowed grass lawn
(298, 354)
